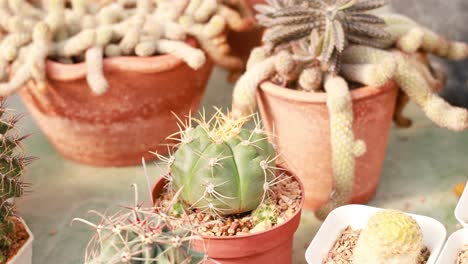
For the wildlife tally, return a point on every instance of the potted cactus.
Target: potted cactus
(103, 78)
(141, 234)
(246, 209)
(332, 132)
(360, 234)
(15, 237)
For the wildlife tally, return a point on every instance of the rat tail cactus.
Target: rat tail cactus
(221, 167)
(12, 166)
(141, 235)
(390, 237)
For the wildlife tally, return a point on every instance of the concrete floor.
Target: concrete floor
(422, 166)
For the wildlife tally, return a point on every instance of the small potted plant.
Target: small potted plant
(103, 79)
(15, 237)
(246, 209)
(139, 234)
(332, 132)
(360, 234)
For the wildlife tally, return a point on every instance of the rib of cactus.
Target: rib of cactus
(390, 237)
(223, 168)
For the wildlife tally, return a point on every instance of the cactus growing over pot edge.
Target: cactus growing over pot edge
(12, 166)
(221, 167)
(138, 234)
(389, 237)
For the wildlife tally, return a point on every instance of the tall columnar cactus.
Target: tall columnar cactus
(141, 235)
(12, 166)
(389, 237)
(91, 30)
(306, 42)
(221, 167)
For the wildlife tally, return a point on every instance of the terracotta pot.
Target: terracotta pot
(24, 254)
(301, 124)
(271, 246)
(242, 43)
(133, 116)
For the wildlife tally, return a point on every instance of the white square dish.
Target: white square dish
(461, 211)
(357, 216)
(455, 242)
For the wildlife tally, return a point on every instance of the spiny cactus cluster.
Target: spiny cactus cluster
(389, 237)
(141, 235)
(221, 167)
(12, 166)
(320, 46)
(81, 30)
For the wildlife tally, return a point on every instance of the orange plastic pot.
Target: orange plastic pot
(271, 246)
(119, 127)
(242, 43)
(301, 124)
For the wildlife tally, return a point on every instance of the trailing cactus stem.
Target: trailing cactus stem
(345, 148)
(193, 57)
(95, 72)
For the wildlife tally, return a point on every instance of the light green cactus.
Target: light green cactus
(221, 167)
(140, 235)
(389, 237)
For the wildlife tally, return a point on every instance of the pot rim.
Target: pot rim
(461, 208)
(68, 72)
(362, 93)
(218, 238)
(26, 244)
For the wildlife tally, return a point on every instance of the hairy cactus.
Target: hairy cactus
(12, 166)
(141, 235)
(389, 237)
(221, 167)
(89, 31)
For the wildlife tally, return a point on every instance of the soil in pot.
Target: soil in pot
(19, 238)
(342, 250)
(463, 255)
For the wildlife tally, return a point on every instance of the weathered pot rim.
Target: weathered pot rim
(68, 72)
(365, 92)
(26, 244)
(230, 238)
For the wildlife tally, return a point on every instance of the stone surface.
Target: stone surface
(422, 166)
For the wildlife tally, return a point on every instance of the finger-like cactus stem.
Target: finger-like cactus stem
(193, 57)
(375, 75)
(311, 79)
(345, 148)
(389, 237)
(95, 71)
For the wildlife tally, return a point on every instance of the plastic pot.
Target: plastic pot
(133, 116)
(451, 249)
(24, 254)
(271, 246)
(357, 216)
(301, 124)
(461, 211)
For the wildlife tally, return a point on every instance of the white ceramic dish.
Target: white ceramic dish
(461, 211)
(357, 217)
(24, 255)
(455, 242)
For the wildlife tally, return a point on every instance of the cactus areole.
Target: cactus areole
(222, 167)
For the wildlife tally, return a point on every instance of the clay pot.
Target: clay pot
(301, 124)
(25, 252)
(242, 43)
(119, 127)
(271, 246)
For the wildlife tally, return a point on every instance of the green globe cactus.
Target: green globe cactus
(389, 237)
(222, 167)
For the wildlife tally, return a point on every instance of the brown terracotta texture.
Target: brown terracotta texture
(301, 124)
(133, 117)
(242, 43)
(271, 246)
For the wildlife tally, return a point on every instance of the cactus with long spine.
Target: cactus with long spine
(90, 31)
(139, 234)
(306, 42)
(221, 167)
(12, 166)
(389, 237)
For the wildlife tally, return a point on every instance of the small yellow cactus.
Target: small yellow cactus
(390, 237)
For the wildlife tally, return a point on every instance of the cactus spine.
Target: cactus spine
(390, 237)
(12, 167)
(221, 167)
